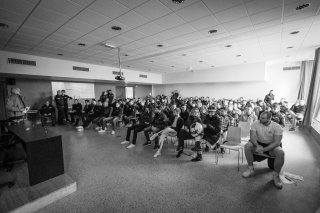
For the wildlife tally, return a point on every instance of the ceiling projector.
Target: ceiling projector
(120, 78)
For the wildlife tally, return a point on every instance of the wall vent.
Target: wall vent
(84, 69)
(291, 68)
(143, 76)
(117, 73)
(21, 62)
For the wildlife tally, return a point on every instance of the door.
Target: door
(3, 96)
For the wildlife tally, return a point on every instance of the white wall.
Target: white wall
(62, 68)
(284, 83)
(246, 72)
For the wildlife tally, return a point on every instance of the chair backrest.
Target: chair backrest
(245, 129)
(234, 135)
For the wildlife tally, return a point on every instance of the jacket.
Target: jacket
(15, 106)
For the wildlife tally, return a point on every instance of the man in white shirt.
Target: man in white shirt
(265, 137)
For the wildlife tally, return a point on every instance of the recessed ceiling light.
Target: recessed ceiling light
(178, 1)
(81, 44)
(3, 25)
(303, 6)
(212, 31)
(126, 55)
(200, 61)
(294, 32)
(172, 66)
(159, 45)
(128, 66)
(238, 55)
(151, 61)
(116, 28)
(289, 47)
(212, 66)
(60, 54)
(184, 55)
(229, 45)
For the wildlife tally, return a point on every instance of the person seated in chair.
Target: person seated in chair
(297, 113)
(76, 112)
(175, 125)
(212, 128)
(159, 122)
(277, 116)
(265, 138)
(115, 116)
(142, 123)
(93, 113)
(15, 105)
(129, 112)
(185, 134)
(184, 114)
(248, 115)
(47, 110)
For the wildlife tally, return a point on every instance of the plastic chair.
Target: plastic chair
(234, 142)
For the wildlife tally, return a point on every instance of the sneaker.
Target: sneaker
(148, 143)
(292, 129)
(249, 172)
(156, 146)
(158, 153)
(179, 154)
(79, 127)
(98, 127)
(113, 132)
(128, 125)
(197, 158)
(124, 142)
(277, 182)
(154, 136)
(102, 131)
(131, 146)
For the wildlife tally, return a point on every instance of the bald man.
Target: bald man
(15, 105)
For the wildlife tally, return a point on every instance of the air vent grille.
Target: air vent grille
(21, 62)
(291, 68)
(84, 69)
(143, 76)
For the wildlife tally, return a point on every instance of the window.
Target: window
(129, 92)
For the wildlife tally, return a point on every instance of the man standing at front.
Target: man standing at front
(265, 137)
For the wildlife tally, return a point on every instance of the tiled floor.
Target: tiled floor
(113, 179)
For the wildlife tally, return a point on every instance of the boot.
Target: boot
(198, 158)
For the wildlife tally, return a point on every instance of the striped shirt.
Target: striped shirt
(264, 133)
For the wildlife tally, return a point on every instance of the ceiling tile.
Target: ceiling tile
(231, 14)
(60, 38)
(205, 22)
(183, 29)
(164, 35)
(258, 6)
(82, 2)
(134, 35)
(169, 21)
(66, 31)
(49, 16)
(132, 19)
(63, 6)
(193, 12)
(33, 32)
(90, 39)
(153, 9)
(93, 18)
(102, 33)
(132, 3)
(219, 5)
(7, 15)
(18, 6)
(110, 8)
(79, 26)
(149, 40)
(238, 24)
(173, 6)
(150, 28)
(119, 41)
(270, 15)
(39, 24)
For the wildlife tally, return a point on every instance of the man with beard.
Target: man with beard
(265, 138)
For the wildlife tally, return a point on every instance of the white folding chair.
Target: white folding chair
(234, 142)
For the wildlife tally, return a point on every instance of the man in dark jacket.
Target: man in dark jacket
(47, 110)
(65, 103)
(76, 111)
(143, 122)
(269, 98)
(212, 127)
(159, 122)
(184, 114)
(110, 96)
(277, 116)
(60, 106)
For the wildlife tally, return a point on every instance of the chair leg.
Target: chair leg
(242, 154)
(238, 160)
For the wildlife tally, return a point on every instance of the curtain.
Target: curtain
(313, 91)
(302, 81)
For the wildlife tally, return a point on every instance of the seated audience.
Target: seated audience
(76, 112)
(159, 122)
(248, 115)
(277, 116)
(297, 113)
(212, 128)
(269, 98)
(48, 111)
(116, 115)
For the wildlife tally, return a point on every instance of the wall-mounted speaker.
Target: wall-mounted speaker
(11, 81)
